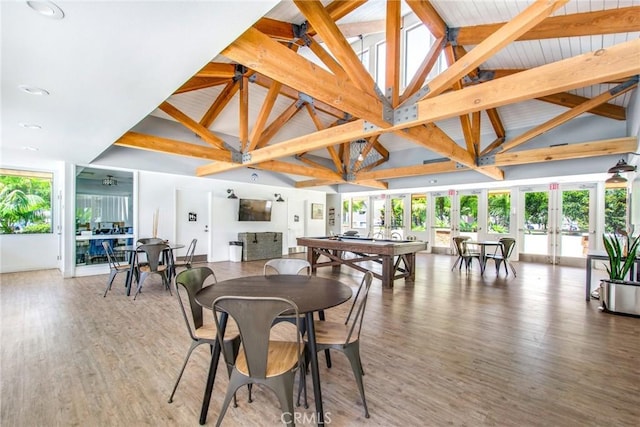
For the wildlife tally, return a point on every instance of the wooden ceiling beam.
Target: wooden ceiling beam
(258, 52)
(370, 183)
(414, 170)
(429, 17)
(392, 66)
(317, 183)
(301, 170)
(217, 69)
(612, 21)
(566, 116)
(171, 146)
(510, 31)
(275, 29)
(277, 124)
(423, 71)
(263, 115)
(319, 126)
(327, 59)
(192, 125)
(197, 83)
(496, 122)
(326, 28)
(621, 60)
(570, 100)
(220, 103)
(568, 152)
(243, 114)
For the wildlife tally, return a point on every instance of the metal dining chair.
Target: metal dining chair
(345, 337)
(261, 359)
(503, 253)
(190, 282)
(154, 253)
(187, 261)
(114, 266)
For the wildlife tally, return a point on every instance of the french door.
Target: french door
(388, 217)
(558, 223)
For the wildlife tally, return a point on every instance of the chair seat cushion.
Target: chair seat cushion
(282, 357)
(333, 333)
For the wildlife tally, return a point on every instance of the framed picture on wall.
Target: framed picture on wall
(317, 211)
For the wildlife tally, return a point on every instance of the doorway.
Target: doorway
(193, 215)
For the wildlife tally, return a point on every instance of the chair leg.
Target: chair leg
(143, 276)
(302, 385)
(283, 388)
(194, 344)
(353, 354)
(511, 266)
(112, 275)
(235, 382)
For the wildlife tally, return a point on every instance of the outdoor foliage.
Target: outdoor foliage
(575, 207)
(499, 210)
(418, 212)
(536, 209)
(25, 204)
(443, 211)
(615, 209)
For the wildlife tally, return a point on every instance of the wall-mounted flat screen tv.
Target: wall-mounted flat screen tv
(254, 210)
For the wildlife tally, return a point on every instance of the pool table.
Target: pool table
(397, 257)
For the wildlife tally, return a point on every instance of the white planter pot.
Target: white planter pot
(620, 297)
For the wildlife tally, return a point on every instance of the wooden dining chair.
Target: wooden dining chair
(189, 282)
(154, 253)
(345, 337)
(261, 359)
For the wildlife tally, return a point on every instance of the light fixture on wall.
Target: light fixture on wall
(616, 178)
(278, 197)
(622, 166)
(231, 194)
(109, 180)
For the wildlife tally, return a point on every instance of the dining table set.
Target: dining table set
(133, 253)
(309, 293)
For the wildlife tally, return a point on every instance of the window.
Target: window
(615, 209)
(346, 213)
(25, 202)
(364, 58)
(499, 205)
(359, 209)
(418, 42)
(418, 212)
(381, 60)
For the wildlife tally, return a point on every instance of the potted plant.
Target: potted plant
(617, 294)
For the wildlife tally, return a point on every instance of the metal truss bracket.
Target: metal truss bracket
(305, 98)
(349, 177)
(460, 166)
(239, 71)
(299, 31)
(405, 114)
(253, 78)
(236, 157)
(368, 126)
(246, 158)
(633, 80)
(487, 160)
(417, 96)
(452, 35)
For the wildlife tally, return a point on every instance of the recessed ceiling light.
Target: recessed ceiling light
(33, 90)
(30, 126)
(46, 8)
(29, 148)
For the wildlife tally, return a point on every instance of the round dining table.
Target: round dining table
(309, 293)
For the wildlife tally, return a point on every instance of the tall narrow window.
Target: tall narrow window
(615, 209)
(418, 42)
(381, 58)
(418, 212)
(359, 213)
(346, 212)
(499, 205)
(25, 202)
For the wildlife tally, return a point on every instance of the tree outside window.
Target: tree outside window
(615, 209)
(499, 203)
(25, 202)
(418, 212)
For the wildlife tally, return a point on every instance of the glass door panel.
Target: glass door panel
(441, 216)
(535, 231)
(498, 213)
(396, 218)
(468, 215)
(378, 221)
(575, 222)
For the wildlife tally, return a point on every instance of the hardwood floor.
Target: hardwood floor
(450, 349)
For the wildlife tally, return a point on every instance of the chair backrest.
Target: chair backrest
(154, 253)
(149, 240)
(508, 244)
(458, 242)
(287, 266)
(359, 304)
(188, 259)
(192, 280)
(255, 317)
(111, 258)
